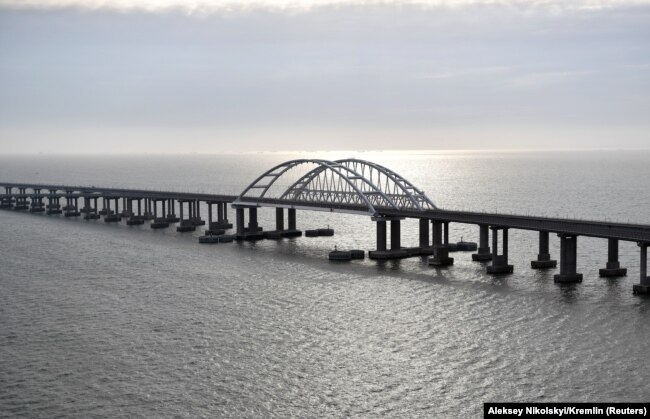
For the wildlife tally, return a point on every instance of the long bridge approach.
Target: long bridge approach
(344, 186)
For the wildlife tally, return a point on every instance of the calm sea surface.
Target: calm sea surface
(104, 321)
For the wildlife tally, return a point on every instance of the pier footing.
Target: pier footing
(500, 266)
(220, 225)
(159, 223)
(250, 236)
(291, 233)
(640, 289)
(567, 278)
(484, 255)
(441, 256)
(186, 226)
(543, 264)
(388, 254)
(612, 272)
(404, 252)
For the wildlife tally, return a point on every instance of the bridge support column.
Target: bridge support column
(568, 259)
(544, 260)
(395, 235)
(440, 245)
(196, 217)
(89, 210)
(291, 231)
(381, 235)
(291, 215)
(613, 267)
(21, 200)
(37, 202)
(395, 251)
(126, 211)
(239, 220)
(111, 216)
(159, 222)
(484, 254)
(7, 199)
(148, 215)
(253, 231)
(222, 221)
(171, 212)
(253, 227)
(643, 287)
(135, 219)
(424, 233)
(279, 219)
(186, 224)
(446, 234)
(499, 262)
(53, 206)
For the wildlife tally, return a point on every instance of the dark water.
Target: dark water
(110, 321)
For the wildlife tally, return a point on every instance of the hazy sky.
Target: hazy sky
(223, 75)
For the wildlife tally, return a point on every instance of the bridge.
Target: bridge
(345, 186)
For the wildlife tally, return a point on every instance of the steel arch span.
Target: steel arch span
(335, 186)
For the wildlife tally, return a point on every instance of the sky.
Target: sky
(211, 76)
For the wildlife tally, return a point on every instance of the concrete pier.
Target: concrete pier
(544, 260)
(424, 232)
(37, 202)
(484, 254)
(499, 263)
(186, 224)
(221, 222)
(253, 231)
(279, 219)
(643, 287)
(613, 268)
(7, 199)
(72, 206)
(110, 215)
(91, 210)
(280, 232)
(195, 210)
(136, 217)
(148, 215)
(239, 220)
(171, 212)
(440, 245)
(158, 222)
(53, 206)
(568, 260)
(292, 230)
(381, 235)
(126, 207)
(395, 251)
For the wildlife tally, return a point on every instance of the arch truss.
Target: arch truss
(348, 185)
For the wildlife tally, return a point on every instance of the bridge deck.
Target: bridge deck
(602, 229)
(121, 192)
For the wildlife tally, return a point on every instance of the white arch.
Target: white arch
(353, 173)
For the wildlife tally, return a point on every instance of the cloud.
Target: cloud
(221, 6)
